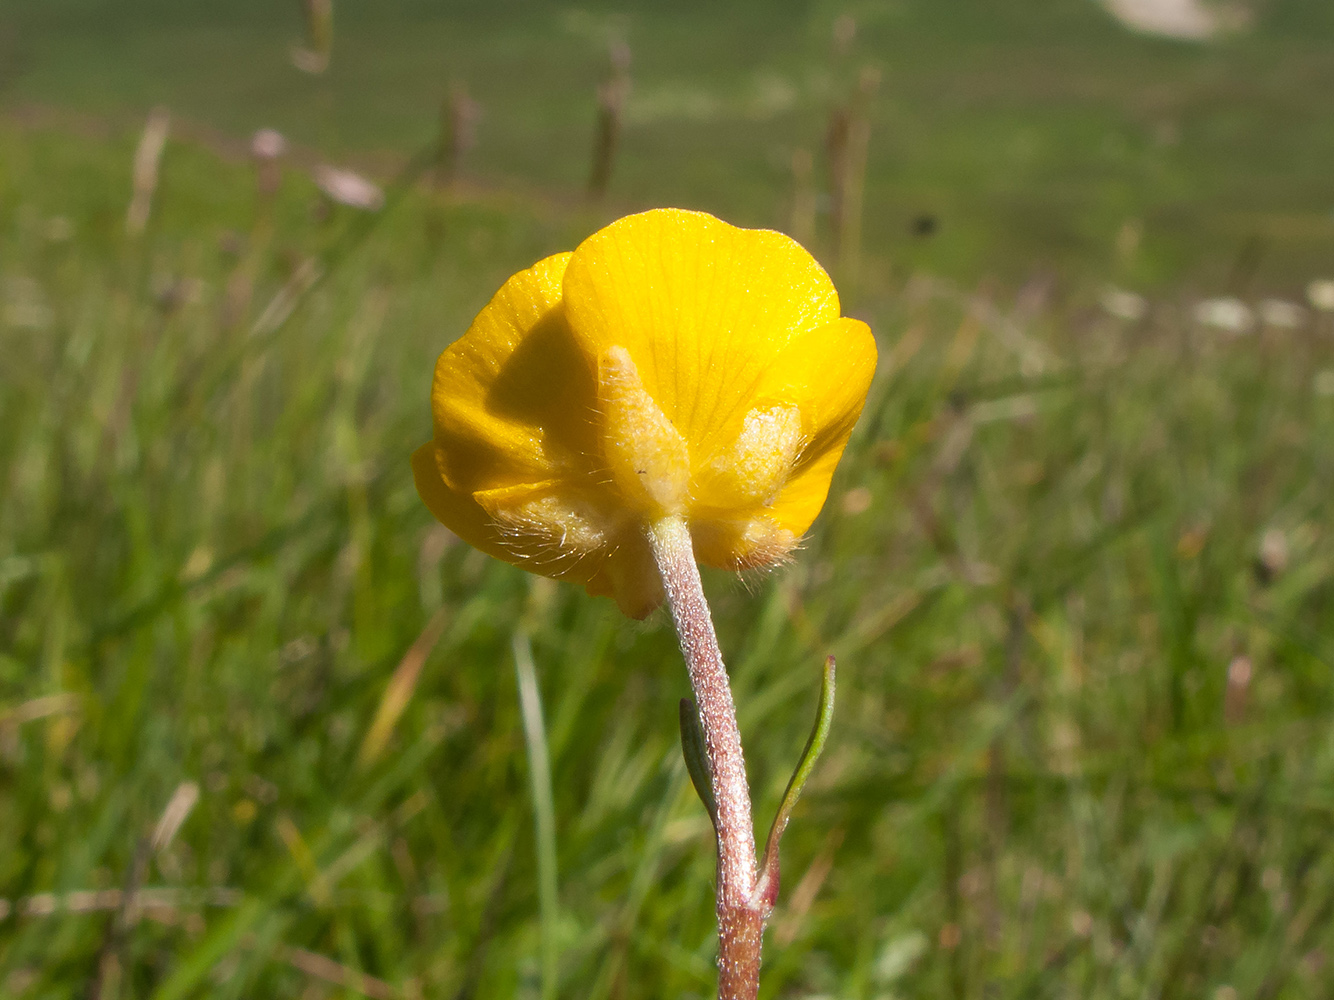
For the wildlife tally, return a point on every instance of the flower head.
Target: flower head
(268, 144)
(346, 187)
(671, 366)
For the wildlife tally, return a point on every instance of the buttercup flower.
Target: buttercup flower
(676, 388)
(673, 366)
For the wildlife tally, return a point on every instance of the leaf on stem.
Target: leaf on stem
(766, 889)
(697, 758)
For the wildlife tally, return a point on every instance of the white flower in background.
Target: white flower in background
(1228, 314)
(346, 187)
(1190, 20)
(1281, 313)
(1320, 293)
(267, 148)
(1129, 306)
(268, 144)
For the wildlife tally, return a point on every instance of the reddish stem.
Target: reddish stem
(740, 919)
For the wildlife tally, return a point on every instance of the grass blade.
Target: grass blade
(544, 810)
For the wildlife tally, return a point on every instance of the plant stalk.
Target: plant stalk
(740, 917)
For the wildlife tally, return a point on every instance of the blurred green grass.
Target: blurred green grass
(1041, 562)
(1037, 566)
(1033, 132)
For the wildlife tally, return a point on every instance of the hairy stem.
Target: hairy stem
(740, 919)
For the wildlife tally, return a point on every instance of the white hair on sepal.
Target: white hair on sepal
(545, 529)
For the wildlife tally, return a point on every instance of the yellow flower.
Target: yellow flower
(672, 366)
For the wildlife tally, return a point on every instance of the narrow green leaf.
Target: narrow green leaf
(766, 889)
(697, 758)
(544, 810)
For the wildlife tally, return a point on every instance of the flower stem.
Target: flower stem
(740, 918)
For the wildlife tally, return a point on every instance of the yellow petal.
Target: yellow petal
(750, 471)
(804, 494)
(513, 466)
(824, 375)
(701, 306)
(672, 365)
(458, 512)
(825, 372)
(514, 397)
(632, 577)
(539, 528)
(742, 543)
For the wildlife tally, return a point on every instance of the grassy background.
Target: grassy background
(1032, 131)
(1040, 564)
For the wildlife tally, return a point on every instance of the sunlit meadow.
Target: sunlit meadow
(260, 727)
